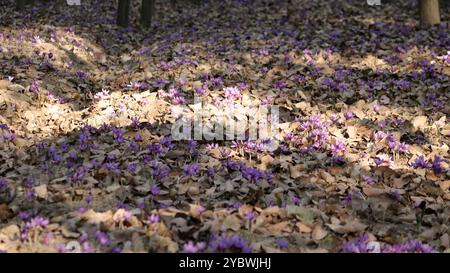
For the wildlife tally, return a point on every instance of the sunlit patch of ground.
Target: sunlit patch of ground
(86, 112)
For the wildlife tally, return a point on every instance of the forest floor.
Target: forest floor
(88, 163)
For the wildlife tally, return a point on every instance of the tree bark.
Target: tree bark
(429, 12)
(147, 11)
(123, 12)
(290, 11)
(20, 4)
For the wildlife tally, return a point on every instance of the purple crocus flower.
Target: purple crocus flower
(112, 166)
(132, 167)
(296, 200)
(28, 182)
(201, 91)
(89, 198)
(349, 115)
(192, 147)
(191, 169)
(379, 135)
(102, 238)
(360, 245)
(232, 93)
(81, 74)
(250, 215)
(226, 243)
(35, 84)
(192, 247)
(210, 172)
(412, 246)
(167, 142)
(3, 184)
(282, 243)
(421, 162)
(347, 200)
(338, 147)
(436, 165)
(369, 180)
(154, 218)
(155, 190)
(87, 248)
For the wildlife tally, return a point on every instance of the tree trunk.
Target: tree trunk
(290, 11)
(123, 12)
(20, 4)
(429, 12)
(147, 11)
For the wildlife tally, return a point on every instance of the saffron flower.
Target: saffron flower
(192, 247)
(338, 147)
(154, 218)
(231, 244)
(232, 93)
(421, 163)
(436, 165)
(349, 115)
(102, 238)
(3, 184)
(282, 243)
(155, 190)
(191, 169)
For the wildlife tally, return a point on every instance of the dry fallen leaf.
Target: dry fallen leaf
(352, 226)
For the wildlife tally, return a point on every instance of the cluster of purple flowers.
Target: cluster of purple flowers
(422, 163)
(349, 115)
(334, 84)
(136, 85)
(312, 131)
(155, 149)
(8, 136)
(282, 243)
(174, 95)
(432, 100)
(3, 184)
(37, 222)
(102, 238)
(395, 145)
(118, 134)
(192, 247)
(35, 84)
(159, 170)
(84, 140)
(402, 84)
(165, 65)
(193, 148)
(232, 93)
(347, 200)
(338, 148)
(201, 91)
(363, 245)
(252, 174)
(78, 174)
(101, 95)
(191, 169)
(154, 218)
(447, 57)
(216, 81)
(225, 243)
(167, 142)
(428, 69)
(383, 160)
(112, 166)
(251, 146)
(81, 75)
